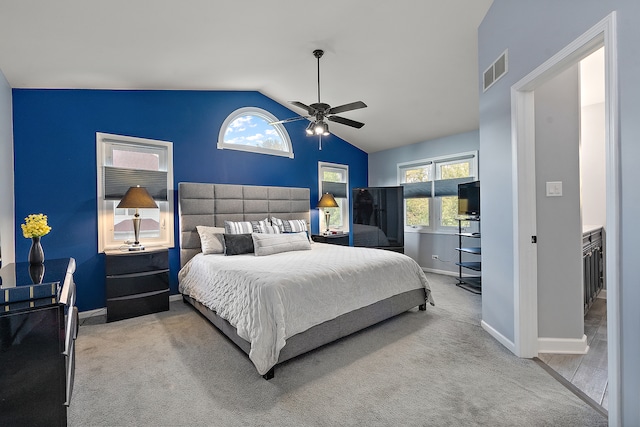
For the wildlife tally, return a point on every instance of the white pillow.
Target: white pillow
(269, 244)
(211, 239)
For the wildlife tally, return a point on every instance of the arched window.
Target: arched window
(248, 129)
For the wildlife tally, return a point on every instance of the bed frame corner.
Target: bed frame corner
(270, 374)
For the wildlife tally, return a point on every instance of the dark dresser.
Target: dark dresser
(38, 327)
(137, 283)
(378, 218)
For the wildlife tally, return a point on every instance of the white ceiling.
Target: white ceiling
(413, 62)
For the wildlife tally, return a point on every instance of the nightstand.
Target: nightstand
(137, 283)
(333, 239)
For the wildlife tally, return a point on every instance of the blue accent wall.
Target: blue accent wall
(55, 161)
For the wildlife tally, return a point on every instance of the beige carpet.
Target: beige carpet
(433, 368)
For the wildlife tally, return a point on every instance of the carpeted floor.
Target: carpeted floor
(433, 368)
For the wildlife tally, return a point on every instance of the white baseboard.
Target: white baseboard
(499, 337)
(436, 271)
(176, 297)
(602, 294)
(563, 345)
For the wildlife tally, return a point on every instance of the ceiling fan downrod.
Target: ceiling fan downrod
(318, 54)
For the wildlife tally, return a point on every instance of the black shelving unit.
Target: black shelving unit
(469, 281)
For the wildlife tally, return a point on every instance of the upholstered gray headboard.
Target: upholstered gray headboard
(212, 204)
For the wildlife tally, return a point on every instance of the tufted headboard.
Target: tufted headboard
(212, 204)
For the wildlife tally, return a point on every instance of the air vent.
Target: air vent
(495, 71)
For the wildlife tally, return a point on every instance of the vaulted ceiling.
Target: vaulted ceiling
(413, 62)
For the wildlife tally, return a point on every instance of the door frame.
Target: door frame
(524, 202)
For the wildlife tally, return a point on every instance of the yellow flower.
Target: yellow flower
(35, 225)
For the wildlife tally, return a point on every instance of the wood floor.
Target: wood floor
(587, 372)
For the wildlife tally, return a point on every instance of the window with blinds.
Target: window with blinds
(125, 162)
(431, 189)
(334, 179)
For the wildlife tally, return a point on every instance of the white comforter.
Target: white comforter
(270, 298)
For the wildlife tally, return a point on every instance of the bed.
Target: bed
(288, 302)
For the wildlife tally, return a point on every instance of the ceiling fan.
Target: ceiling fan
(319, 112)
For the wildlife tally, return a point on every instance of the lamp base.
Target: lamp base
(327, 220)
(136, 246)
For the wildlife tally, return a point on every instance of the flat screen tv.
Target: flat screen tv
(469, 199)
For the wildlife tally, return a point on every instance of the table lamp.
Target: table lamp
(327, 201)
(137, 197)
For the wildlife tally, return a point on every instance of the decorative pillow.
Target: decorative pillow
(238, 227)
(269, 244)
(211, 239)
(238, 244)
(246, 227)
(266, 228)
(289, 225)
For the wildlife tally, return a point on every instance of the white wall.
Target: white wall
(592, 167)
(592, 139)
(383, 171)
(7, 221)
(534, 32)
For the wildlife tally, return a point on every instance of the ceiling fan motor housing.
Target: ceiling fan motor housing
(321, 107)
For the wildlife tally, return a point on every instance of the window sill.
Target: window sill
(430, 231)
(124, 248)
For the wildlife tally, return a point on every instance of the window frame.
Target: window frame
(106, 208)
(435, 202)
(344, 209)
(268, 117)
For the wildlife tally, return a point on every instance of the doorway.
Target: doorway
(523, 144)
(570, 142)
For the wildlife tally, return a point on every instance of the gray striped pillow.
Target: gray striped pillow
(246, 227)
(265, 228)
(238, 227)
(289, 225)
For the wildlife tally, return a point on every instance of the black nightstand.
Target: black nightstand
(137, 283)
(333, 239)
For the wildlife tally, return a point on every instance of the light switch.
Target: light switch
(554, 188)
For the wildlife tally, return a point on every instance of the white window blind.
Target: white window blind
(430, 189)
(118, 180)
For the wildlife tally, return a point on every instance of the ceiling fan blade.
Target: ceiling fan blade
(310, 110)
(345, 121)
(292, 119)
(346, 107)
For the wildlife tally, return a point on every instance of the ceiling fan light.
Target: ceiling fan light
(310, 129)
(325, 129)
(319, 128)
